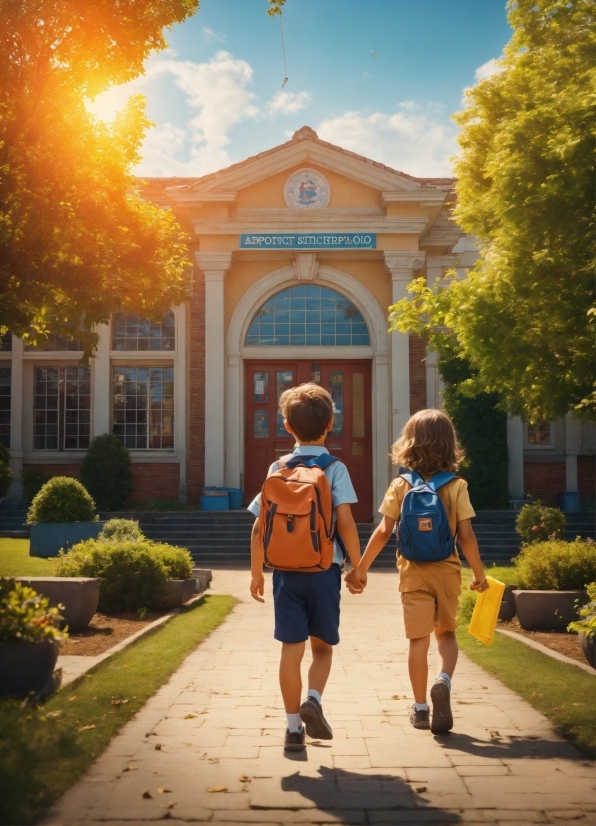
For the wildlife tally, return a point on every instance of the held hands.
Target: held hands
(257, 587)
(356, 580)
(479, 583)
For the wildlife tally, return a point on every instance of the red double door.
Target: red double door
(266, 439)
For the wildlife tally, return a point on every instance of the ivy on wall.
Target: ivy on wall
(482, 431)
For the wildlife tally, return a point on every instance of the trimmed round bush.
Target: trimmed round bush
(557, 565)
(133, 577)
(62, 499)
(119, 530)
(537, 523)
(106, 473)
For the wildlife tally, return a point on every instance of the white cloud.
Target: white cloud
(212, 35)
(287, 103)
(488, 69)
(409, 140)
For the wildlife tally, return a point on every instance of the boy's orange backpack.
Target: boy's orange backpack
(296, 515)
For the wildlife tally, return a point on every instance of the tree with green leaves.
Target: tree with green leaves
(77, 242)
(525, 189)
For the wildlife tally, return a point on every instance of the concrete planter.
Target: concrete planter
(548, 610)
(27, 667)
(47, 538)
(202, 577)
(588, 645)
(507, 609)
(79, 595)
(179, 592)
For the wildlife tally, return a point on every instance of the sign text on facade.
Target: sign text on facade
(309, 241)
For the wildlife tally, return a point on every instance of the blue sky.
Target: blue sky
(216, 95)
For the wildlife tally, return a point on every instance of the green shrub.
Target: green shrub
(62, 499)
(587, 623)
(537, 523)
(25, 615)
(177, 561)
(106, 473)
(33, 481)
(119, 530)
(467, 601)
(133, 576)
(5, 479)
(557, 565)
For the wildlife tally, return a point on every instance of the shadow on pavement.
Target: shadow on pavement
(510, 747)
(338, 790)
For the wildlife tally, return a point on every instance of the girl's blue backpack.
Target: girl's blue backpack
(423, 532)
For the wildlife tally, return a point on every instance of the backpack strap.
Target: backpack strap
(412, 477)
(440, 479)
(323, 460)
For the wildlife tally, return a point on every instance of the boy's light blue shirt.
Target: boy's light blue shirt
(342, 490)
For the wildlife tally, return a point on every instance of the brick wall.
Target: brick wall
(196, 391)
(155, 480)
(586, 476)
(417, 374)
(72, 469)
(544, 481)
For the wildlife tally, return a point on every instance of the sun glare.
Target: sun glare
(107, 105)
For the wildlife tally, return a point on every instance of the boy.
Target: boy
(429, 590)
(306, 604)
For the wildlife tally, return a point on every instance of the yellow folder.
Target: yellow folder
(486, 611)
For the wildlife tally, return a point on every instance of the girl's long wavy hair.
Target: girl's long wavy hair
(428, 444)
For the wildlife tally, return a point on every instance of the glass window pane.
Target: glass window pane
(261, 387)
(357, 407)
(132, 333)
(284, 380)
(315, 373)
(539, 434)
(261, 424)
(336, 389)
(143, 407)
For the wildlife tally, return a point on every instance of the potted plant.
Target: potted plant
(29, 641)
(552, 578)
(60, 515)
(586, 626)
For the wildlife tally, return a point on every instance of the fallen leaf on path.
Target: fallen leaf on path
(86, 728)
(164, 791)
(189, 716)
(217, 789)
(243, 778)
(158, 747)
(464, 703)
(485, 687)
(419, 789)
(167, 805)
(494, 734)
(129, 769)
(147, 795)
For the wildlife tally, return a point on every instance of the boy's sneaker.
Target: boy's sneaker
(419, 719)
(311, 714)
(442, 718)
(295, 740)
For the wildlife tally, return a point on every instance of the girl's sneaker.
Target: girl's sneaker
(295, 740)
(442, 718)
(311, 714)
(419, 718)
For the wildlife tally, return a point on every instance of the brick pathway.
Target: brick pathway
(502, 764)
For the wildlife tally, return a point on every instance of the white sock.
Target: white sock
(312, 692)
(294, 722)
(421, 706)
(446, 677)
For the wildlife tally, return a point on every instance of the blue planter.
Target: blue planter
(235, 497)
(47, 538)
(218, 502)
(569, 501)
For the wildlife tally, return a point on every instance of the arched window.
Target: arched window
(307, 315)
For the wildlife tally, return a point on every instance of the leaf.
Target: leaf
(164, 791)
(53, 714)
(243, 778)
(129, 769)
(74, 697)
(217, 789)
(147, 795)
(158, 747)
(119, 702)
(190, 716)
(87, 728)
(419, 789)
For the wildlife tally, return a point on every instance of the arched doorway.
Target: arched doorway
(285, 331)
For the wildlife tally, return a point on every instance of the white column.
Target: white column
(234, 423)
(402, 267)
(16, 417)
(214, 266)
(101, 382)
(515, 446)
(180, 391)
(381, 430)
(573, 443)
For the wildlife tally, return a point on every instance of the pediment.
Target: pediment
(305, 149)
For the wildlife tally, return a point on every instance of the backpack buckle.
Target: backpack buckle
(290, 522)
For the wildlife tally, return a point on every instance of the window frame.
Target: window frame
(552, 438)
(121, 363)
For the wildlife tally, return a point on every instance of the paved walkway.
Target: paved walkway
(502, 764)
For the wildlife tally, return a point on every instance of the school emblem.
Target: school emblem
(425, 524)
(307, 189)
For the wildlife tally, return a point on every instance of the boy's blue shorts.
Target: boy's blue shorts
(307, 605)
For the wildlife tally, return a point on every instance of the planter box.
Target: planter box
(202, 577)
(507, 609)
(548, 610)
(180, 591)
(47, 538)
(79, 595)
(27, 667)
(588, 645)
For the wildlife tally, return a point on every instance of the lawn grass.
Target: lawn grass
(44, 750)
(563, 693)
(15, 560)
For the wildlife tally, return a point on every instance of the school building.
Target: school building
(297, 254)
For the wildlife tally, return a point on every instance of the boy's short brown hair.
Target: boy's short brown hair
(308, 409)
(428, 444)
